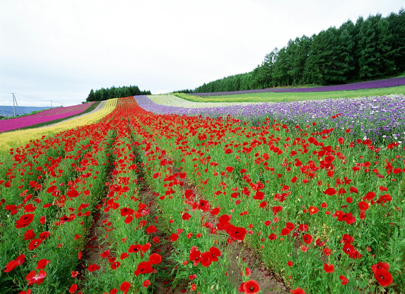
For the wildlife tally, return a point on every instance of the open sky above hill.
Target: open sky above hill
(59, 50)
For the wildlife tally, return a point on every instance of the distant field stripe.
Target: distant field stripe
(178, 101)
(294, 96)
(384, 83)
(20, 137)
(43, 117)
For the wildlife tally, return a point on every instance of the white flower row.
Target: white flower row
(171, 100)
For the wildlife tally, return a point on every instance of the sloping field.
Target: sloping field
(20, 137)
(295, 96)
(43, 117)
(141, 202)
(172, 100)
(379, 118)
(384, 83)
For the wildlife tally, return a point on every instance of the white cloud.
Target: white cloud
(62, 49)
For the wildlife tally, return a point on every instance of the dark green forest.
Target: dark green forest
(113, 92)
(369, 49)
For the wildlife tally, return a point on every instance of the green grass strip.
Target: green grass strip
(294, 96)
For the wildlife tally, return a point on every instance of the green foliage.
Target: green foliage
(113, 92)
(294, 96)
(369, 49)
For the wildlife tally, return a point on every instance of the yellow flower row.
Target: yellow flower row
(20, 137)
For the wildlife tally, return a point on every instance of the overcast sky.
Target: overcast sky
(57, 50)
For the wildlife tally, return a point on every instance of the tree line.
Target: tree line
(113, 92)
(369, 49)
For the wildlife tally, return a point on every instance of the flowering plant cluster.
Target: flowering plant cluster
(173, 193)
(42, 117)
(379, 119)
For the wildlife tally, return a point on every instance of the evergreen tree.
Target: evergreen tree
(369, 57)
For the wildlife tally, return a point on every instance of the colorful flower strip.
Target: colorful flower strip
(275, 184)
(394, 82)
(172, 100)
(42, 117)
(17, 138)
(377, 118)
(126, 260)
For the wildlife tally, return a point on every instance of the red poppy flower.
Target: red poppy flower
(344, 280)
(10, 266)
(155, 258)
(298, 290)
(347, 239)
(105, 254)
(146, 283)
(34, 244)
(363, 205)
(329, 191)
(307, 238)
(206, 259)
(229, 169)
(272, 237)
(380, 265)
(285, 232)
(174, 237)
(73, 288)
(35, 278)
(42, 263)
(303, 227)
(369, 196)
(238, 233)
(115, 265)
(329, 268)
(134, 248)
(125, 286)
(143, 268)
(93, 267)
(24, 220)
(313, 210)
(145, 247)
(128, 219)
(72, 193)
(195, 256)
(151, 229)
(44, 235)
(204, 205)
(29, 235)
(384, 278)
(327, 251)
(276, 209)
(249, 287)
(186, 216)
(290, 226)
(215, 211)
(215, 252)
(319, 242)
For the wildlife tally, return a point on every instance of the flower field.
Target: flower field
(171, 100)
(20, 137)
(176, 191)
(42, 117)
(394, 82)
(380, 118)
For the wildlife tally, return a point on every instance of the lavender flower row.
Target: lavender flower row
(42, 117)
(371, 117)
(394, 82)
